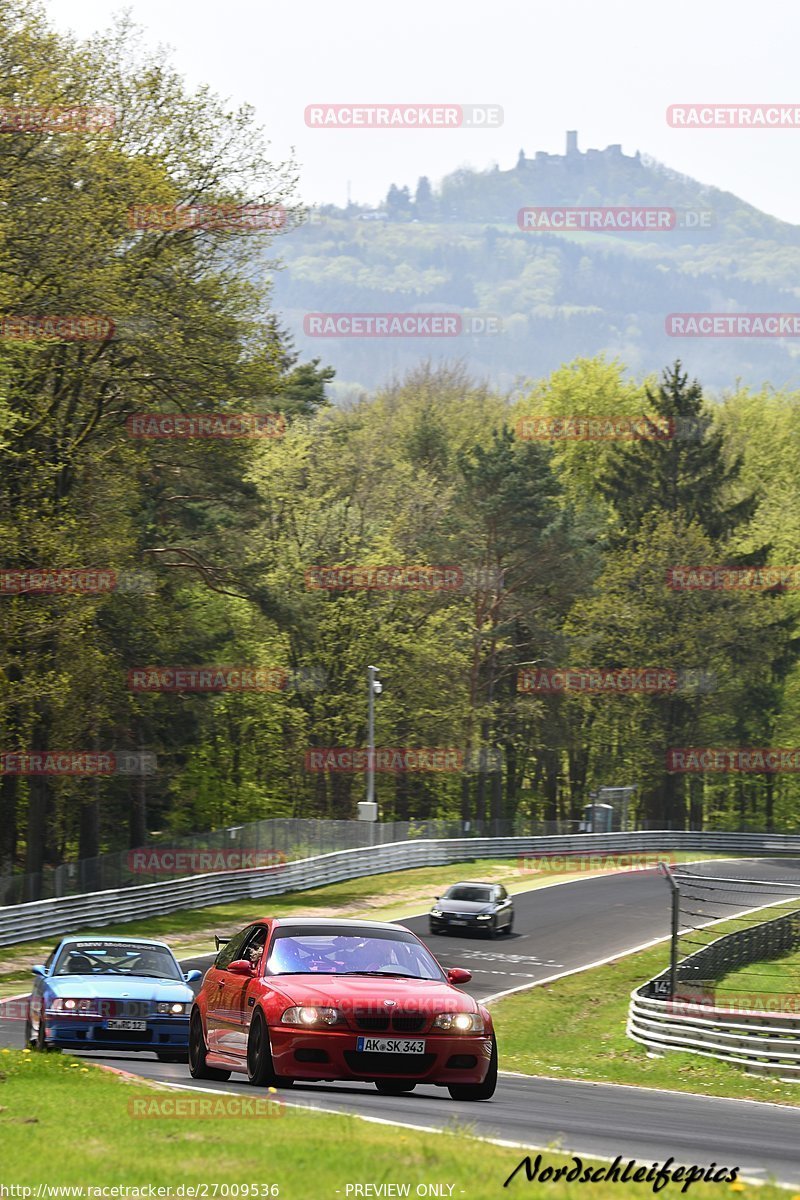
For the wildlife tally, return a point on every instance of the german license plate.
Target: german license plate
(133, 1026)
(458, 922)
(390, 1045)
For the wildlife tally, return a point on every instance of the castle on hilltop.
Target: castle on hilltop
(576, 157)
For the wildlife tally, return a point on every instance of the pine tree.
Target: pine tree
(682, 469)
(424, 203)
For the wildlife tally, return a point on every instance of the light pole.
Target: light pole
(368, 810)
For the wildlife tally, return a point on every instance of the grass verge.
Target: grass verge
(773, 983)
(575, 1028)
(64, 1123)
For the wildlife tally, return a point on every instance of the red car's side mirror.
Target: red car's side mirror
(459, 975)
(240, 966)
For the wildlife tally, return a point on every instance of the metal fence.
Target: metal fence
(66, 914)
(680, 1009)
(287, 838)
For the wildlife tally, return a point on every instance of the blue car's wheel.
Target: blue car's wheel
(41, 1043)
(172, 1056)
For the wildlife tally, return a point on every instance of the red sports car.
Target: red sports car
(305, 999)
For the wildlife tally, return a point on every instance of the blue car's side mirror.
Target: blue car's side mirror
(38, 970)
(192, 976)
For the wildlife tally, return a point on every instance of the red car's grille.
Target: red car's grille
(408, 1022)
(372, 1024)
(397, 1022)
(374, 1063)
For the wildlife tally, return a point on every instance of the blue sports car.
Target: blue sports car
(110, 993)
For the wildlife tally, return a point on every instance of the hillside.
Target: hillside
(558, 294)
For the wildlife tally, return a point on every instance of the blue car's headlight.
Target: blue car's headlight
(167, 1008)
(436, 912)
(80, 1007)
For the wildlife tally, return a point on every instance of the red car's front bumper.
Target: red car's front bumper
(333, 1054)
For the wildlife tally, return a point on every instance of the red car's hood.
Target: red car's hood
(367, 990)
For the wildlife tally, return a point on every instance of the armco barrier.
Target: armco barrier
(21, 922)
(763, 1042)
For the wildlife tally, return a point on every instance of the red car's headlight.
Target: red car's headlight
(459, 1022)
(311, 1018)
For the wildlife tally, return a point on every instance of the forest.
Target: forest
(228, 584)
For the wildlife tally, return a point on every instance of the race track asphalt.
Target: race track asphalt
(559, 929)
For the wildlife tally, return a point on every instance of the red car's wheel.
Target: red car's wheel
(198, 1068)
(478, 1091)
(394, 1087)
(260, 1068)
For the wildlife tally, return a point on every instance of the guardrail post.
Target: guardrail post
(675, 925)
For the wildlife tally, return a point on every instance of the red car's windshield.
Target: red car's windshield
(325, 953)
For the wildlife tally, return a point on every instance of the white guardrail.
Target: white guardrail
(762, 1043)
(753, 1036)
(65, 914)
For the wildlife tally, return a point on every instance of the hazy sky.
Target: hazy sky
(607, 69)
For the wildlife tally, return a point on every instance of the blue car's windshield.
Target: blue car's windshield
(106, 957)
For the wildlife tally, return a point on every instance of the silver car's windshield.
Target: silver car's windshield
(467, 891)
